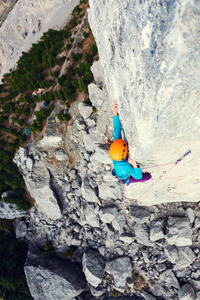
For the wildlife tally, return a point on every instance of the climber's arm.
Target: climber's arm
(135, 170)
(116, 121)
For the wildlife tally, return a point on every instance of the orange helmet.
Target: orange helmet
(118, 149)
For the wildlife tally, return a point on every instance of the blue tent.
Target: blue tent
(27, 131)
(46, 104)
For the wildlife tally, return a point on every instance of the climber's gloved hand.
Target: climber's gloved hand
(115, 107)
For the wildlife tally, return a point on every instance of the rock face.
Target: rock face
(53, 278)
(149, 53)
(25, 25)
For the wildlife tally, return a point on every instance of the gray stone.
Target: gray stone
(190, 214)
(147, 296)
(138, 214)
(90, 122)
(119, 251)
(169, 279)
(97, 95)
(60, 155)
(182, 257)
(89, 194)
(54, 278)
(97, 71)
(179, 232)
(127, 238)
(97, 291)
(80, 123)
(91, 215)
(161, 267)
(197, 223)
(133, 249)
(110, 190)
(156, 230)
(93, 267)
(107, 214)
(72, 174)
(20, 229)
(85, 110)
(10, 211)
(186, 292)
(102, 154)
(39, 185)
(120, 268)
(119, 222)
(91, 139)
(142, 234)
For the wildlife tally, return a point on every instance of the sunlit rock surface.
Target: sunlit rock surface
(149, 51)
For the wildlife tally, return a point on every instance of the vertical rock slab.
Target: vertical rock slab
(93, 267)
(149, 53)
(53, 278)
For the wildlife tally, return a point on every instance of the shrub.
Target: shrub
(88, 57)
(93, 49)
(76, 57)
(85, 35)
(68, 46)
(73, 23)
(79, 44)
(70, 71)
(54, 74)
(63, 117)
(77, 10)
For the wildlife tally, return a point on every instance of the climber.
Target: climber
(125, 168)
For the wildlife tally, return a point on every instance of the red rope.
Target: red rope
(158, 166)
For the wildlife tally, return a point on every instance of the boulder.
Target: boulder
(93, 267)
(110, 190)
(107, 214)
(179, 232)
(186, 292)
(156, 230)
(147, 296)
(91, 139)
(38, 183)
(133, 249)
(120, 268)
(10, 211)
(97, 95)
(60, 155)
(181, 257)
(119, 222)
(190, 214)
(138, 214)
(98, 74)
(142, 234)
(85, 110)
(127, 238)
(102, 154)
(88, 193)
(54, 278)
(20, 229)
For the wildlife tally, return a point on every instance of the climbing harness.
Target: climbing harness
(165, 172)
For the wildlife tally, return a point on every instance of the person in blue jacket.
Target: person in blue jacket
(125, 168)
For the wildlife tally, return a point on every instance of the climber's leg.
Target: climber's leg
(145, 177)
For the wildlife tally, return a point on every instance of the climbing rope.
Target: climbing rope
(166, 172)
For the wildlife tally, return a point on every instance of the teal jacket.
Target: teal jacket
(122, 168)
